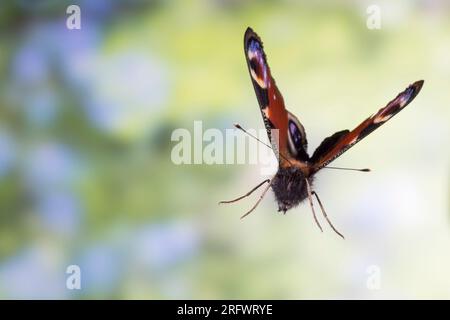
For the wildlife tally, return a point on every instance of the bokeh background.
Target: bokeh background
(86, 176)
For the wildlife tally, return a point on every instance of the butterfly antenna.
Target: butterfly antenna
(245, 195)
(352, 169)
(259, 200)
(238, 126)
(325, 215)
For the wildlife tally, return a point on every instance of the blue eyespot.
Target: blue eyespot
(254, 45)
(296, 136)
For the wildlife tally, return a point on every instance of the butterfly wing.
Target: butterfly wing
(335, 145)
(290, 138)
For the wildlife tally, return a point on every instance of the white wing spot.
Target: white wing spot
(403, 101)
(251, 54)
(260, 81)
(354, 140)
(382, 119)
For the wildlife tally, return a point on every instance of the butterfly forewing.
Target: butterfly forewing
(270, 100)
(332, 147)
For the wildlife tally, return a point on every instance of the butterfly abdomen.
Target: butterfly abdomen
(289, 187)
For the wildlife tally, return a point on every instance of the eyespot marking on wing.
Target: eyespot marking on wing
(397, 104)
(294, 133)
(258, 68)
(382, 118)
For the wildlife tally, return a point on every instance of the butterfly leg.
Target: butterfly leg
(247, 194)
(308, 187)
(325, 215)
(259, 200)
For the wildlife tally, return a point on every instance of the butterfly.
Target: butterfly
(292, 184)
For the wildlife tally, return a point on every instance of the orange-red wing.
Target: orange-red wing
(269, 97)
(335, 145)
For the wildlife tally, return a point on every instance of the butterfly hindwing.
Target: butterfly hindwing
(297, 143)
(327, 145)
(335, 145)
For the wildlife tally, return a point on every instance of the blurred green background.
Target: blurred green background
(86, 176)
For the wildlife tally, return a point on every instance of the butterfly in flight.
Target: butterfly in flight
(292, 183)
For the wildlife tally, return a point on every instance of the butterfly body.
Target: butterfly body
(289, 187)
(292, 183)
